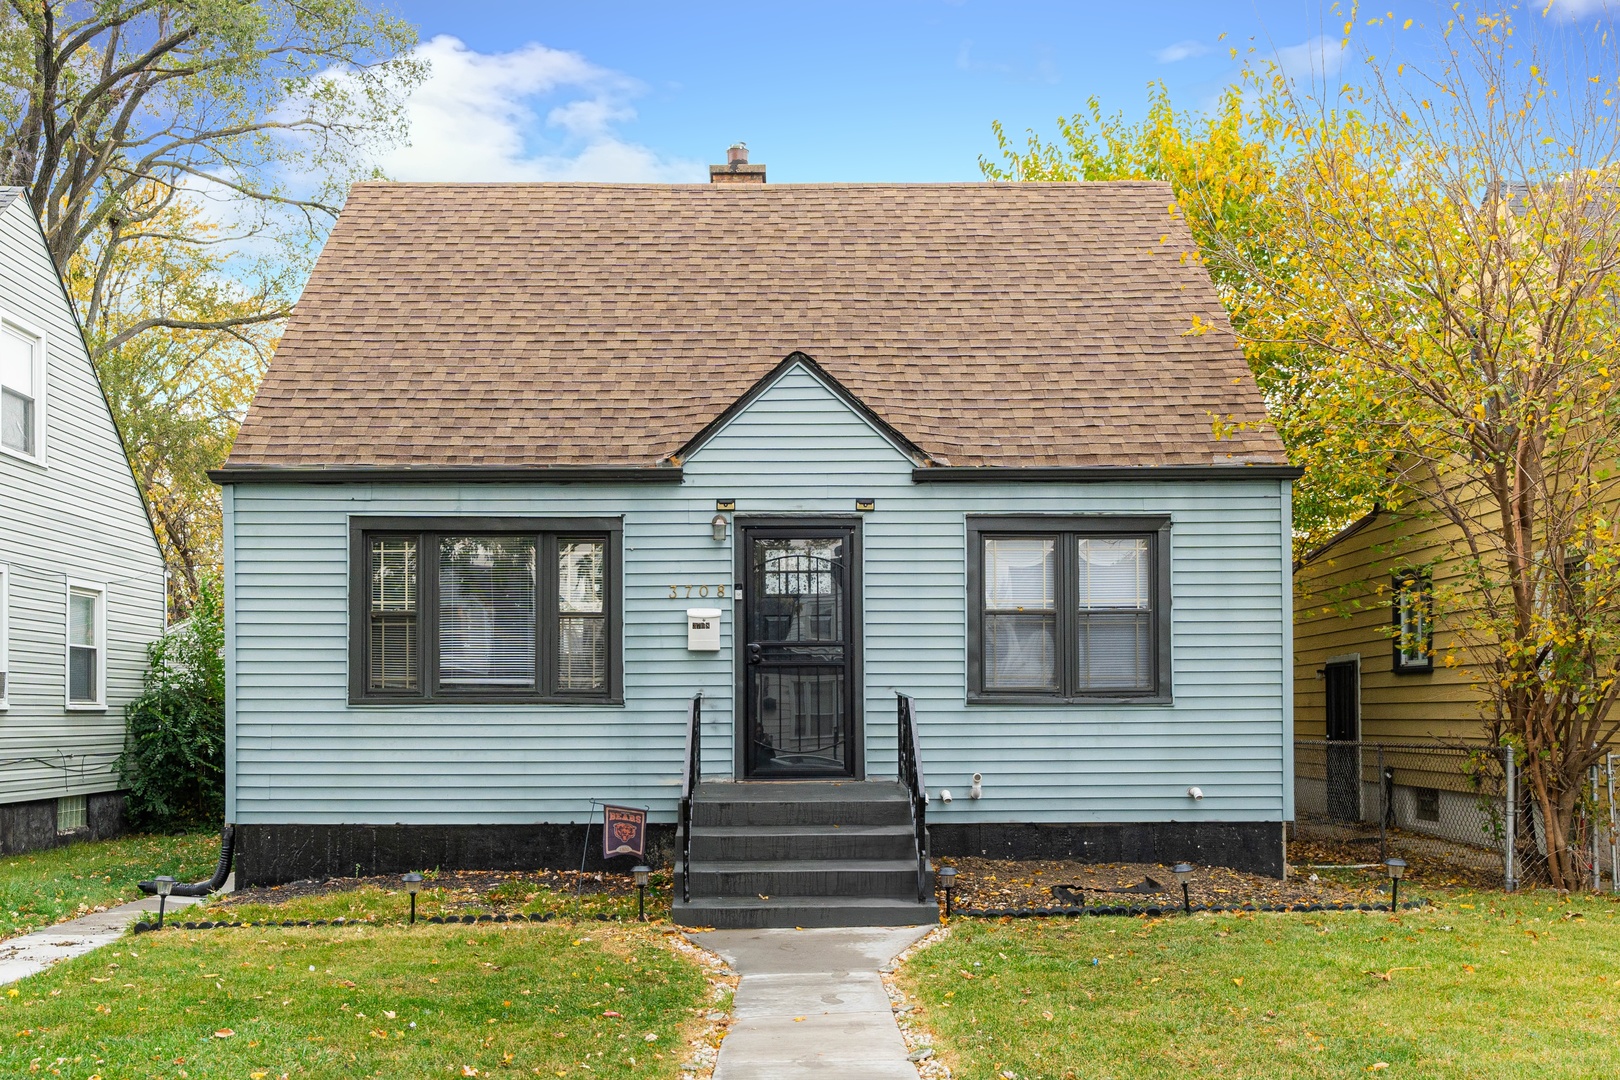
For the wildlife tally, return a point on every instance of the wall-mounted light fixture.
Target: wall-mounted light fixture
(717, 527)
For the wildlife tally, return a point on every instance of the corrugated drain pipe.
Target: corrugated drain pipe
(227, 849)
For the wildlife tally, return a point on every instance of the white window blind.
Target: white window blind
(487, 611)
(19, 390)
(1115, 618)
(393, 614)
(581, 617)
(1020, 613)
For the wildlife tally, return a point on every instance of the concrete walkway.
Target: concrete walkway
(811, 1003)
(29, 954)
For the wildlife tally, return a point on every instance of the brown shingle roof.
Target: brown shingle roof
(604, 324)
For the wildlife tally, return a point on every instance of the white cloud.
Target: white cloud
(1314, 59)
(1576, 9)
(1181, 50)
(478, 116)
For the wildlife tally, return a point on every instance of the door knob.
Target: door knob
(755, 653)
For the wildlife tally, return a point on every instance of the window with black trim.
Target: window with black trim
(485, 610)
(1069, 609)
(1412, 612)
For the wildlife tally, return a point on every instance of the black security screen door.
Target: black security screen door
(800, 658)
(1343, 688)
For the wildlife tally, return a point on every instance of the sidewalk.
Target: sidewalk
(29, 954)
(811, 1003)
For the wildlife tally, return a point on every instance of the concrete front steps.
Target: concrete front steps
(802, 853)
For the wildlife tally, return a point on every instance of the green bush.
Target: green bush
(173, 764)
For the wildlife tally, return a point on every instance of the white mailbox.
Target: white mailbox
(703, 629)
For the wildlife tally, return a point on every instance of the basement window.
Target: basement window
(1428, 803)
(72, 814)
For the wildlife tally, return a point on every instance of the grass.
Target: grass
(584, 1000)
(44, 887)
(1481, 986)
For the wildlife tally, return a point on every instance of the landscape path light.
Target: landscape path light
(1183, 872)
(642, 873)
(947, 881)
(165, 885)
(413, 883)
(1396, 868)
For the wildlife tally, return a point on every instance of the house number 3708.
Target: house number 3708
(675, 592)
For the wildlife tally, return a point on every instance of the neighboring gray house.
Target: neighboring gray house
(536, 463)
(81, 577)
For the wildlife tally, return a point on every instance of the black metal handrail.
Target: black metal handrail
(911, 775)
(691, 776)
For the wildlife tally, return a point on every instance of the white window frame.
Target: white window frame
(100, 589)
(41, 376)
(5, 636)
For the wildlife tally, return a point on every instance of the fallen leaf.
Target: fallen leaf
(612, 1014)
(224, 1033)
(1375, 1066)
(1239, 981)
(468, 1070)
(798, 1019)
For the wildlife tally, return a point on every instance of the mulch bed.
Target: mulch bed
(999, 884)
(497, 891)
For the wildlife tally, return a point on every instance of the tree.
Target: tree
(185, 157)
(1451, 228)
(114, 109)
(1427, 292)
(177, 394)
(1222, 168)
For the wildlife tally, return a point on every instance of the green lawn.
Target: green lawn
(1480, 986)
(582, 1000)
(44, 887)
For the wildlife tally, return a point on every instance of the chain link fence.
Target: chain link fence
(1455, 813)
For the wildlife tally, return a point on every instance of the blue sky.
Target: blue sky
(898, 91)
(892, 90)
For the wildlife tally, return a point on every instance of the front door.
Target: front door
(1343, 688)
(800, 668)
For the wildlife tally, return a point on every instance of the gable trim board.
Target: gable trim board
(312, 779)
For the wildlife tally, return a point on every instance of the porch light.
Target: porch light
(642, 873)
(1397, 869)
(717, 528)
(413, 884)
(947, 881)
(1183, 872)
(164, 885)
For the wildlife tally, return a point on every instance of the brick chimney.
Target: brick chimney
(736, 170)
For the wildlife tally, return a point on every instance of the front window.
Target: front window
(1069, 608)
(22, 377)
(1413, 611)
(85, 660)
(486, 610)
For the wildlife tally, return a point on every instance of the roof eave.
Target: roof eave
(463, 474)
(1099, 474)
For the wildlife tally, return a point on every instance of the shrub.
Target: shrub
(173, 764)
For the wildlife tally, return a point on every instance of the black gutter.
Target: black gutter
(1098, 474)
(468, 474)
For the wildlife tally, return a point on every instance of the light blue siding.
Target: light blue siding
(300, 753)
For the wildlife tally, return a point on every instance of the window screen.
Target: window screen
(1020, 613)
(18, 393)
(581, 617)
(392, 628)
(84, 650)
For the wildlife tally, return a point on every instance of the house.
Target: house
(81, 577)
(1377, 666)
(536, 464)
